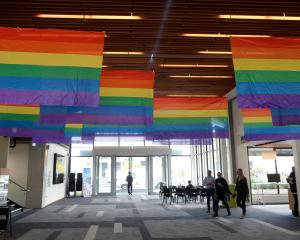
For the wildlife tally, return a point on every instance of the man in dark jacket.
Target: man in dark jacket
(222, 193)
(293, 187)
(129, 181)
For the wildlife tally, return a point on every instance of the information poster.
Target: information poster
(87, 182)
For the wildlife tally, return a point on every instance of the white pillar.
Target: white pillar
(296, 153)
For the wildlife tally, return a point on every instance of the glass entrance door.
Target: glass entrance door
(157, 173)
(105, 175)
(138, 168)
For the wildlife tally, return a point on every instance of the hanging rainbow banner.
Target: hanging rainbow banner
(126, 98)
(267, 72)
(50, 67)
(258, 126)
(127, 88)
(93, 130)
(189, 118)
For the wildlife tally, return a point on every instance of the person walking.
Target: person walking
(209, 185)
(293, 188)
(241, 191)
(222, 193)
(129, 181)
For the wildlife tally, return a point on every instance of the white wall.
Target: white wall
(53, 192)
(17, 162)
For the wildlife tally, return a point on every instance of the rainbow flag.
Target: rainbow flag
(258, 126)
(267, 72)
(116, 115)
(189, 118)
(127, 88)
(50, 67)
(73, 130)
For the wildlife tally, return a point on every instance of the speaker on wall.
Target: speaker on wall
(72, 182)
(79, 182)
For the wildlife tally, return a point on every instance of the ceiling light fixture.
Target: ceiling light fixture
(215, 52)
(123, 53)
(257, 17)
(199, 76)
(193, 66)
(221, 35)
(175, 95)
(91, 17)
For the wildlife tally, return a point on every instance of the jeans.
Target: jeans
(209, 194)
(241, 201)
(129, 188)
(216, 204)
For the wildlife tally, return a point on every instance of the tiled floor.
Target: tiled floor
(144, 217)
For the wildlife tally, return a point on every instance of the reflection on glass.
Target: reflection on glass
(139, 172)
(158, 173)
(122, 169)
(104, 174)
(180, 170)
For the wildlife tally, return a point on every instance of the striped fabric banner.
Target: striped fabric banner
(267, 72)
(50, 67)
(286, 116)
(115, 115)
(258, 126)
(127, 88)
(189, 118)
(73, 130)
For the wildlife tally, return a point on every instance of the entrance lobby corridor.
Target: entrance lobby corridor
(144, 217)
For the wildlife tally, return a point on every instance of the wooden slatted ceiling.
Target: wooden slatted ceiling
(189, 16)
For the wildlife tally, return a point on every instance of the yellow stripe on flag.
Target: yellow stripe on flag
(257, 120)
(266, 64)
(126, 92)
(189, 113)
(50, 59)
(72, 125)
(20, 110)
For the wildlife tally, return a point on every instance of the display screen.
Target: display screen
(59, 169)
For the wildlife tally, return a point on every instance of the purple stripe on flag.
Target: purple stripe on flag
(111, 119)
(52, 98)
(41, 140)
(97, 119)
(179, 135)
(286, 120)
(22, 132)
(269, 101)
(256, 137)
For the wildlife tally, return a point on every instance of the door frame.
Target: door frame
(115, 152)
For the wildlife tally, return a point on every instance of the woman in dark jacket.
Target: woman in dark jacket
(241, 191)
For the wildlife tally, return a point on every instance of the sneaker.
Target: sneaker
(215, 215)
(242, 216)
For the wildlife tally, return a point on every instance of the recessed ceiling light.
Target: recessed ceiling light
(92, 17)
(199, 76)
(220, 35)
(190, 95)
(257, 17)
(193, 66)
(123, 53)
(215, 52)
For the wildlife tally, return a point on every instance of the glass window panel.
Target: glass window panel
(107, 141)
(180, 170)
(131, 141)
(181, 149)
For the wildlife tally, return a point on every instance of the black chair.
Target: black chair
(167, 193)
(180, 193)
(201, 194)
(161, 185)
(191, 193)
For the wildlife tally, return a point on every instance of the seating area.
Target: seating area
(172, 194)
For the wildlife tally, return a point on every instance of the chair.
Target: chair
(161, 185)
(167, 193)
(191, 193)
(201, 193)
(180, 193)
